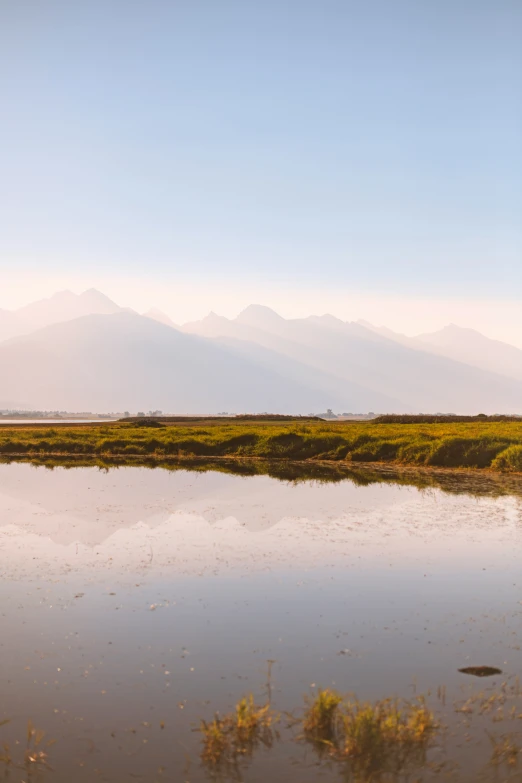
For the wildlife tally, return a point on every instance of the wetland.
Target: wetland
(242, 620)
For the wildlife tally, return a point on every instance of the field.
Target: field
(483, 445)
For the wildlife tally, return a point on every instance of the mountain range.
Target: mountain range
(84, 352)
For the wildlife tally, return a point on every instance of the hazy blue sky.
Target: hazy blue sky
(371, 145)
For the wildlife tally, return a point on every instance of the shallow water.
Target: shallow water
(134, 602)
(23, 420)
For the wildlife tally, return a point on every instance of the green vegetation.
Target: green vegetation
(509, 459)
(482, 444)
(389, 736)
(228, 738)
(384, 741)
(321, 718)
(386, 736)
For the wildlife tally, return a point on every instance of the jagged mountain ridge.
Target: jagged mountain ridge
(463, 345)
(115, 359)
(420, 380)
(127, 361)
(60, 307)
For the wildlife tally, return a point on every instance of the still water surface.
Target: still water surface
(134, 602)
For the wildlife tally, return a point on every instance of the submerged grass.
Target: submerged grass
(387, 736)
(228, 738)
(493, 445)
(368, 739)
(321, 721)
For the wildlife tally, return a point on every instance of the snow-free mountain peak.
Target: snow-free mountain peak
(105, 353)
(212, 325)
(327, 320)
(259, 316)
(97, 301)
(60, 306)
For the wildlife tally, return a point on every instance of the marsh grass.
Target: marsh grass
(322, 719)
(496, 445)
(510, 459)
(372, 738)
(386, 736)
(229, 738)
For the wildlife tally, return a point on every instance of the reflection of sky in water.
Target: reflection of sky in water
(129, 593)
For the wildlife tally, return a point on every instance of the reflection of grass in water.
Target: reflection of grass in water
(474, 483)
(495, 701)
(373, 739)
(500, 705)
(35, 753)
(506, 750)
(228, 738)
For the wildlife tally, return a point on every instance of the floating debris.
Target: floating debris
(481, 671)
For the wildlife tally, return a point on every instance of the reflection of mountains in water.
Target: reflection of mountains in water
(220, 515)
(89, 504)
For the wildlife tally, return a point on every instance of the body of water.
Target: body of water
(136, 602)
(6, 420)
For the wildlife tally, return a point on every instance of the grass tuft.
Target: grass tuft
(373, 738)
(321, 718)
(510, 459)
(229, 737)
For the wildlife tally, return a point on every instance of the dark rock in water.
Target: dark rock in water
(481, 671)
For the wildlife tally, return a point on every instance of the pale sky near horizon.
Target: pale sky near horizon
(360, 158)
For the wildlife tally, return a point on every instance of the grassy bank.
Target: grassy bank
(488, 445)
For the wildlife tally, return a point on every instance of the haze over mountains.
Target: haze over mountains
(463, 345)
(84, 352)
(62, 306)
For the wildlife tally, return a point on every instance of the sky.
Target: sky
(361, 158)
